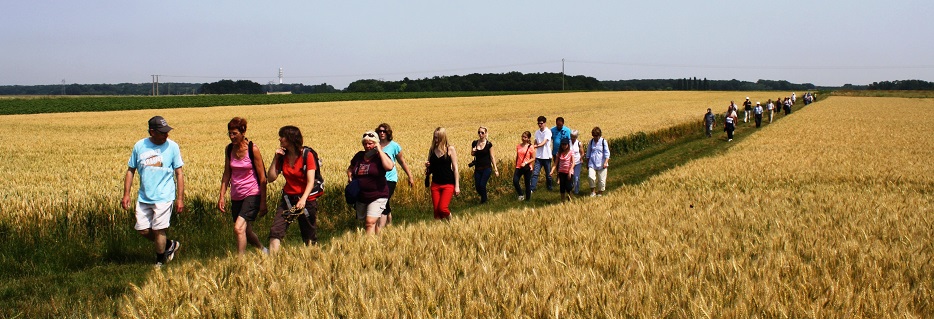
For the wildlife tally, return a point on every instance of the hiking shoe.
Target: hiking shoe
(521, 197)
(174, 245)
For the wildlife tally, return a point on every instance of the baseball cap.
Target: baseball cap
(159, 124)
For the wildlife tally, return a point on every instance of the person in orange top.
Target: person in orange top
(297, 191)
(525, 156)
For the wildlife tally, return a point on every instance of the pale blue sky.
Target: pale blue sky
(821, 42)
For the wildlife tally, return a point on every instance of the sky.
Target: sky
(826, 43)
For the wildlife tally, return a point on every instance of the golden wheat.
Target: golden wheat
(825, 214)
(53, 165)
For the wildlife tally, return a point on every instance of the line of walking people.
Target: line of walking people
(757, 112)
(372, 177)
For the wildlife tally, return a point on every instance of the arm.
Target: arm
(310, 176)
(225, 180)
(405, 168)
(457, 176)
(261, 179)
(272, 173)
(384, 158)
(179, 190)
(127, 185)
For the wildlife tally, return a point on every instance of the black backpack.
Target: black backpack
(319, 179)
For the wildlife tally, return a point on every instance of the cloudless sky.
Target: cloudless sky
(831, 42)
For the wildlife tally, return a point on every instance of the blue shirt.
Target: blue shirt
(392, 149)
(597, 153)
(156, 165)
(564, 134)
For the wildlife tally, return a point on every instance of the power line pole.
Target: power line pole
(63, 86)
(562, 74)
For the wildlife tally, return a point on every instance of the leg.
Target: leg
(515, 181)
(527, 176)
(601, 177)
(278, 229)
(444, 205)
(535, 169)
(592, 178)
(308, 225)
(240, 231)
(577, 178)
(549, 181)
(481, 184)
(386, 218)
(436, 200)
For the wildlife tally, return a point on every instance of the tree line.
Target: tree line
(511, 81)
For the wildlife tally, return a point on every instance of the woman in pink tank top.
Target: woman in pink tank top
(245, 174)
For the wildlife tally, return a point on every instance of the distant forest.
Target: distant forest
(511, 81)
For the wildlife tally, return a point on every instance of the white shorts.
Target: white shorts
(153, 216)
(374, 209)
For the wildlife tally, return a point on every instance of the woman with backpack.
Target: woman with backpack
(598, 159)
(298, 165)
(245, 175)
(368, 169)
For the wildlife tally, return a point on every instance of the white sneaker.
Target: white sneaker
(157, 266)
(593, 194)
(265, 251)
(521, 198)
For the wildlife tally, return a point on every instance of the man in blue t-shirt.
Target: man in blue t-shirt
(161, 182)
(559, 133)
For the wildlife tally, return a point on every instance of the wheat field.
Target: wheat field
(68, 164)
(825, 214)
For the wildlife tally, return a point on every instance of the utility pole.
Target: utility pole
(63, 86)
(562, 74)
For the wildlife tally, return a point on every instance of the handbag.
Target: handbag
(352, 192)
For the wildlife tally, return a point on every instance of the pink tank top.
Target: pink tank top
(242, 178)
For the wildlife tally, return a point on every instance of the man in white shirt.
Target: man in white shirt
(543, 148)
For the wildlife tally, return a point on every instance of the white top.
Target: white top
(576, 151)
(543, 152)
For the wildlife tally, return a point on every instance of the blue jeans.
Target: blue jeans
(577, 178)
(480, 178)
(539, 165)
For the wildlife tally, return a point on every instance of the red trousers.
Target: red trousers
(441, 200)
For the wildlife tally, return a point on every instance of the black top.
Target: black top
(440, 169)
(482, 158)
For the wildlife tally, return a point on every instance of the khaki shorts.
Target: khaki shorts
(373, 209)
(153, 216)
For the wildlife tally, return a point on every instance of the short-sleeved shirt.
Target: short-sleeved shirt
(392, 149)
(565, 162)
(371, 175)
(543, 152)
(482, 157)
(156, 165)
(558, 135)
(295, 179)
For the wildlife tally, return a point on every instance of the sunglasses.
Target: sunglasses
(481, 132)
(369, 135)
(381, 131)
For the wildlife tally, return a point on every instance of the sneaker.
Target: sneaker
(729, 140)
(265, 251)
(157, 266)
(593, 194)
(174, 245)
(599, 195)
(521, 197)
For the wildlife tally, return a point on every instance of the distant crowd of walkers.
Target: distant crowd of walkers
(731, 117)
